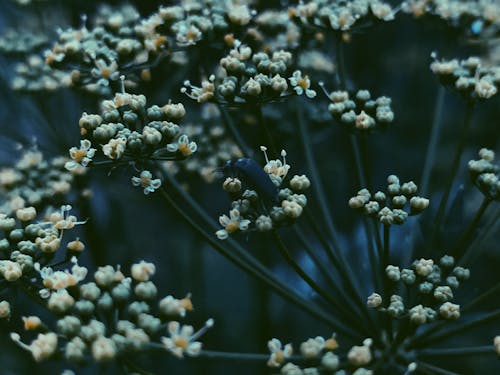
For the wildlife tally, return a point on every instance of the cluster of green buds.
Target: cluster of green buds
(269, 205)
(469, 77)
(26, 243)
(341, 15)
(114, 46)
(35, 181)
(214, 146)
(390, 207)
(321, 356)
(474, 16)
(434, 285)
(360, 112)
(110, 317)
(251, 77)
(130, 132)
(484, 174)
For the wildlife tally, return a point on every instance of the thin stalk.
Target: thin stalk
(430, 157)
(433, 369)
(378, 238)
(481, 298)
(357, 158)
(431, 336)
(387, 244)
(362, 178)
(469, 110)
(285, 253)
(339, 57)
(469, 232)
(244, 357)
(324, 208)
(233, 130)
(445, 352)
(318, 262)
(262, 122)
(327, 275)
(488, 229)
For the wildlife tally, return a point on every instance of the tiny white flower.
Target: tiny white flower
(301, 84)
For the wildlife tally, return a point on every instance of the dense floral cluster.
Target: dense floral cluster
(341, 15)
(33, 75)
(259, 199)
(469, 77)
(35, 181)
(27, 243)
(128, 131)
(390, 208)
(360, 113)
(116, 45)
(484, 174)
(433, 284)
(321, 356)
(251, 77)
(110, 316)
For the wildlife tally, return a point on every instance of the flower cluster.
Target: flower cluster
(27, 244)
(360, 113)
(85, 309)
(33, 75)
(274, 31)
(252, 77)
(321, 357)
(434, 284)
(98, 56)
(469, 77)
(264, 204)
(475, 16)
(341, 15)
(390, 208)
(21, 42)
(484, 174)
(128, 131)
(35, 181)
(214, 146)
(190, 22)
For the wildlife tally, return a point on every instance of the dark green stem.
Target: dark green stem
(233, 130)
(430, 157)
(441, 212)
(450, 352)
(433, 369)
(465, 238)
(436, 334)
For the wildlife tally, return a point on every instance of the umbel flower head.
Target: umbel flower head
(127, 131)
(389, 208)
(115, 44)
(432, 282)
(30, 242)
(36, 181)
(83, 333)
(340, 15)
(359, 112)
(251, 77)
(473, 79)
(260, 201)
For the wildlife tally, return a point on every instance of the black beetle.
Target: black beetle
(253, 176)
